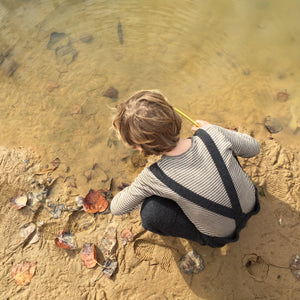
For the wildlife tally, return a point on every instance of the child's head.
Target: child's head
(148, 121)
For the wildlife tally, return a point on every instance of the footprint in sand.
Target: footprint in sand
(256, 266)
(162, 255)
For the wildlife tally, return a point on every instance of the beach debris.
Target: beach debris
(23, 272)
(51, 85)
(88, 175)
(55, 163)
(30, 233)
(109, 267)
(35, 199)
(126, 236)
(89, 256)
(71, 181)
(108, 244)
(191, 263)
(87, 38)
(65, 54)
(66, 240)
(57, 39)
(95, 201)
(120, 32)
(272, 124)
(122, 186)
(282, 96)
(9, 67)
(111, 93)
(79, 201)
(255, 265)
(56, 209)
(295, 267)
(43, 171)
(19, 201)
(76, 109)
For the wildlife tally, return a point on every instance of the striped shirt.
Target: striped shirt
(196, 171)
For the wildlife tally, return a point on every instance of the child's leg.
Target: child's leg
(163, 216)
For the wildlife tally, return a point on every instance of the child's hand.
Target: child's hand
(201, 123)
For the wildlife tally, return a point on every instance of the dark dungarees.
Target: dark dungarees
(165, 217)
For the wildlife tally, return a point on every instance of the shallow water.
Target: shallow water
(221, 61)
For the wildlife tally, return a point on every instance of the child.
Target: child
(197, 190)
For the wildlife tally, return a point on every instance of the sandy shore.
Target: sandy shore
(255, 267)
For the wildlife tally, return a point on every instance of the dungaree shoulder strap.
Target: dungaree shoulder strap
(235, 212)
(223, 171)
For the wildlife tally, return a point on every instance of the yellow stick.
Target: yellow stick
(187, 117)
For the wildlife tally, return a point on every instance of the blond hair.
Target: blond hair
(148, 121)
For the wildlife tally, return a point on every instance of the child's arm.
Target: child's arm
(130, 197)
(242, 144)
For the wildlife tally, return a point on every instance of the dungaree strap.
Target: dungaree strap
(223, 171)
(235, 212)
(190, 195)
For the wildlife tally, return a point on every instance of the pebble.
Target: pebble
(9, 67)
(51, 85)
(282, 96)
(272, 124)
(111, 93)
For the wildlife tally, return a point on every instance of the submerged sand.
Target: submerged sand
(221, 61)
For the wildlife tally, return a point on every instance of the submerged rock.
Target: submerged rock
(191, 263)
(88, 38)
(57, 39)
(9, 67)
(65, 54)
(51, 85)
(282, 96)
(272, 124)
(111, 93)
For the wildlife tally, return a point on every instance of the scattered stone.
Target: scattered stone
(51, 85)
(272, 124)
(23, 272)
(9, 67)
(111, 93)
(65, 54)
(88, 38)
(191, 263)
(76, 109)
(295, 267)
(282, 96)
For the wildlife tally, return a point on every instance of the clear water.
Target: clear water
(221, 61)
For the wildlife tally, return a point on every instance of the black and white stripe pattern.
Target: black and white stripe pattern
(196, 171)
